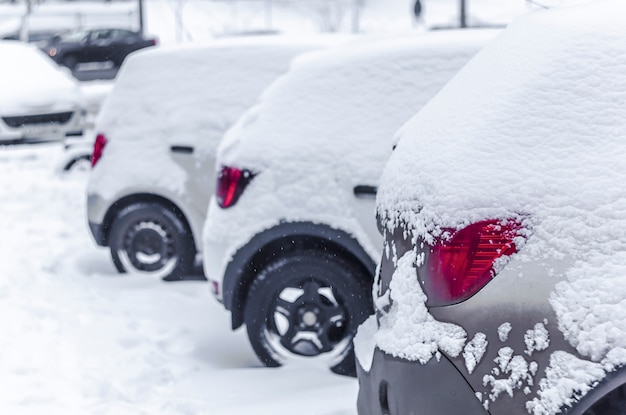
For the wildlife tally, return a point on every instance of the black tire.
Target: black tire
(70, 62)
(308, 304)
(150, 239)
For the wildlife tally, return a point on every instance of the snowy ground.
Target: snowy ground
(78, 338)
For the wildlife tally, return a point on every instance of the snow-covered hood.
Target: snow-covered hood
(32, 83)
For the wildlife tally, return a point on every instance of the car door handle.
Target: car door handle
(182, 149)
(364, 190)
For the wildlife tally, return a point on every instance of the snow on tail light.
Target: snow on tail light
(231, 182)
(98, 148)
(458, 267)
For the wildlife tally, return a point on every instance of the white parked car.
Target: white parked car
(290, 244)
(156, 140)
(502, 285)
(39, 100)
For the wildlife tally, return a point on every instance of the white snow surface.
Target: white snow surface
(327, 126)
(185, 95)
(542, 106)
(567, 379)
(407, 330)
(474, 350)
(30, 79)
(79, 338)
(503, 331)
(533, 128)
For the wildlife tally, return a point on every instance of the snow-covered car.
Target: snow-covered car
(502, 286)
(39, 101)
(78, 149)
(290, 243)
(157, 135)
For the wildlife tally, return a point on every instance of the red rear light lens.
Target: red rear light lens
(459, 267)
(231, 182)
(98, 148)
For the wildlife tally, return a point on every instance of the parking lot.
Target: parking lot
(80, 338)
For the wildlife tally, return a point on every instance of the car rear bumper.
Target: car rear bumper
(398, 386)
(51, 126)
(213, 254)
(96, 209)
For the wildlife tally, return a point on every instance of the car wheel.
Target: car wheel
(147, 238)
(69, 62)
(308, 305)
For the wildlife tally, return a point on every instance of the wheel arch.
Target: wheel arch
(611, 382)
(286, 237)
(148, 198)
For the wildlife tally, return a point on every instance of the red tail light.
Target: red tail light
(231, 182)
(98, 148)
(459, 267)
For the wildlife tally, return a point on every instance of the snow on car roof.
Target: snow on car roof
(185, 96)
(345, 103)
(30, 78)
(533, 128)
(194, 92)
(534, 125)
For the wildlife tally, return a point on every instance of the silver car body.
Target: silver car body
(525, 136)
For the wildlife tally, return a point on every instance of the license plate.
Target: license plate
(41, 131)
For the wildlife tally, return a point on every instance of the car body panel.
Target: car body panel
(307, 166)
(43, 103)
(166, 114)
(542, 329)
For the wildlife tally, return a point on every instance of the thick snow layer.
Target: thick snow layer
(29, 79)
(541, 105)
(78, 338)
(567, 378)
(534, 129)
(591, 306)
(186, 96)
(326, 127)
(407, 330)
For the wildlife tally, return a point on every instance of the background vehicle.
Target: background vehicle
(97, 45)
(290, 240)
(502, 275)
(44, 105)
(39, 37)
(156, 140)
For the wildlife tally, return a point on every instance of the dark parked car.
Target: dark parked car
(97, 45)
